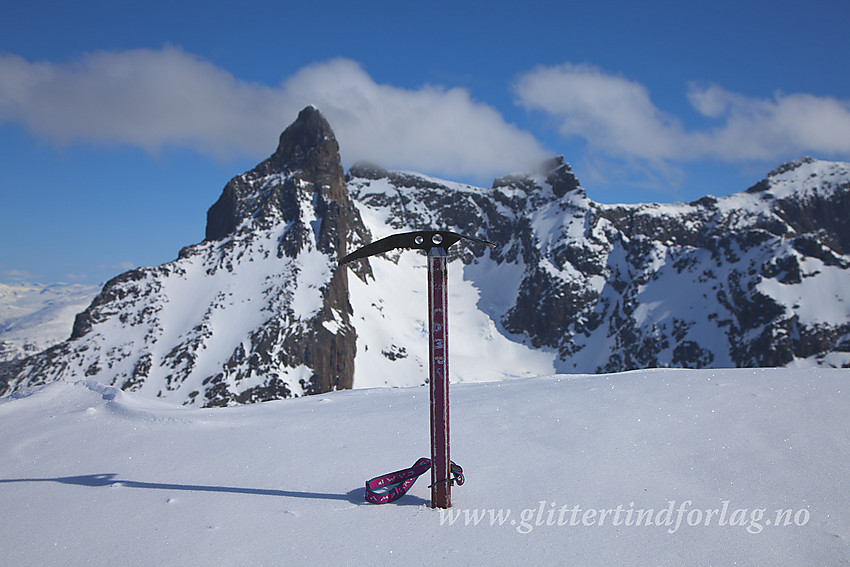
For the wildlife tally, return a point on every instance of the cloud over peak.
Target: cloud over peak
(170, 98)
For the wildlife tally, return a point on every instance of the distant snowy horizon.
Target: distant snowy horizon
(35, 316)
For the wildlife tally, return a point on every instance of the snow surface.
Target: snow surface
(94, 476)
(385, 316)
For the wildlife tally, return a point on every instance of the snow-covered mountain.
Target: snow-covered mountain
(759, 278)
(36, 316)
(257, 311)
(260, 310)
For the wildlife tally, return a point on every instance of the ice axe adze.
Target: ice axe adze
(444, 472)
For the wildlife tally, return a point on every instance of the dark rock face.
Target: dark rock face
(308, 156)
(258, 311)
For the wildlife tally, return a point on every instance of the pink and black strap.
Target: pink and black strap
(392, 486)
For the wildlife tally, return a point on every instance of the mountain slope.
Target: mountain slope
(257, 311)
(755, 279)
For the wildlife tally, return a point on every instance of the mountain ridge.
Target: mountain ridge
(601, 258)
(260, 310)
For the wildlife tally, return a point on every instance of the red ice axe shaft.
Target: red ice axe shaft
(438, 335)
(443, 472)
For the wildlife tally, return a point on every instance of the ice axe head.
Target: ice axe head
(419, 240)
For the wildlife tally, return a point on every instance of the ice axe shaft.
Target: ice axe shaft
(438, 335)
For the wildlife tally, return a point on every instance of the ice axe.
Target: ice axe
(444, 472)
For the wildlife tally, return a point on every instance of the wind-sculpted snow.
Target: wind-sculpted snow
(652, 467)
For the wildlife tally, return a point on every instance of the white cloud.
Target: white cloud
(162, 98)
(76, 277)
(142, 97)
(766, 128)
(430, 129)
(616, 117)
(610, 112)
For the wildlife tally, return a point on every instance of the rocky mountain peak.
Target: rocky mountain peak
(257, 311)
(367, 170)
(809, 196)
(554, 172)
(790, 166)
(309, 138)
(305, 166)
(560, 176)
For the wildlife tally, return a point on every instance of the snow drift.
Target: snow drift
(661, 467)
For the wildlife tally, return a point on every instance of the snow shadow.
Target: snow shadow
(99, 480)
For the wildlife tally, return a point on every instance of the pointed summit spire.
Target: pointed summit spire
(310, 133)
(308, 150)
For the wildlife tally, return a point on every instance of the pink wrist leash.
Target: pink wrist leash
(394, 485)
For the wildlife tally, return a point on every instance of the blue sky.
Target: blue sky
(120, 122)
